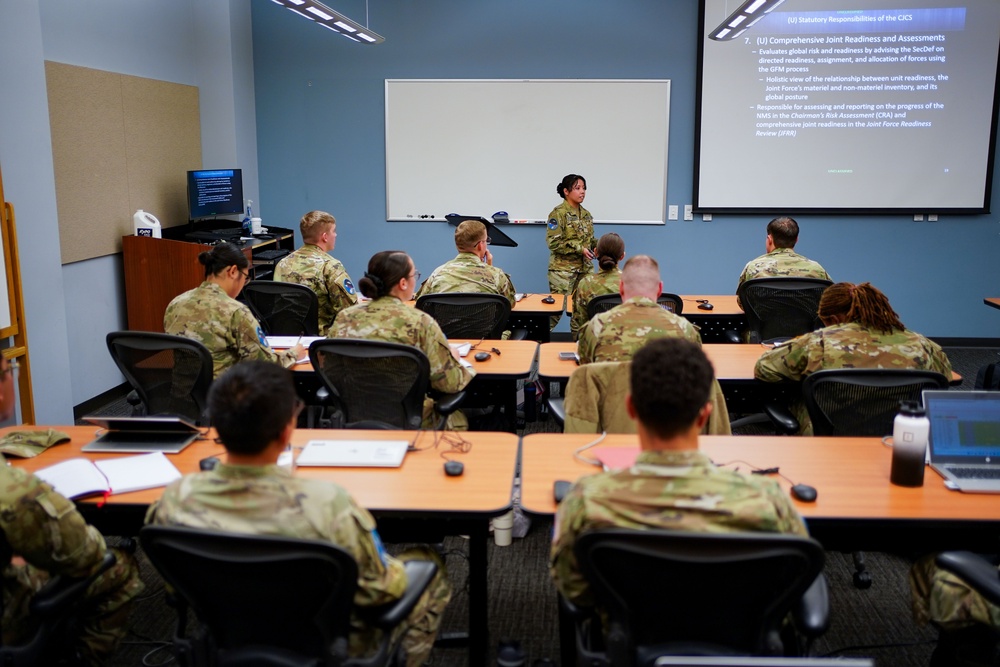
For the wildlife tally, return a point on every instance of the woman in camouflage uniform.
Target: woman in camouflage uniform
(610, 251)
(570, 236)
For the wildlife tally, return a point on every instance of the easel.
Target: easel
(17, 330)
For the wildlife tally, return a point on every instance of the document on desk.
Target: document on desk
(353, 453)
(79, 477)
(285, 342)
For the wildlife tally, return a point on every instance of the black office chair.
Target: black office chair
(981, 576)
(170, 375)
(55, 610)
(264, 600)
(781, 307)
(378, 384)
(863, 401)
(467, 315)
(682, 593)
(605, 302)
(283, 309)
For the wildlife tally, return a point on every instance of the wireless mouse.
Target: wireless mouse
(548, 299)
(453, 468)
(208, 463)
(559, 489)
(804, 492)
(706, 306)
(481, 356)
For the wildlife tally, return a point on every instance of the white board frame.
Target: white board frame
(478, 146)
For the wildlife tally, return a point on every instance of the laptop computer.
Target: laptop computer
(165, 434)
(965, 438)
(353, 453)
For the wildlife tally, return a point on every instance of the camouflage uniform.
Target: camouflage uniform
(324, 275)
(595, 284)
(781, 263)
(389, 319)
(668, 490)
(849, 345)
(269, 500)
(943, 598)
(222, 324)
(468, 273)
(619, 333)
(45, 529)
(569, 232)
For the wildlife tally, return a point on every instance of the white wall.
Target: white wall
(205, 43)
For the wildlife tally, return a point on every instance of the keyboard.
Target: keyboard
(270, 255)
(974, 472)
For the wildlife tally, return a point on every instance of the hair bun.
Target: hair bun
(379, 285)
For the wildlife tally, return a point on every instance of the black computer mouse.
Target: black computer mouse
(481, 356)
(208, 463)
(453, 468)
(804, 492)
(548, 299)
(706, 306)
(560, 488)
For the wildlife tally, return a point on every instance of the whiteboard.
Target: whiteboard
(475, 147)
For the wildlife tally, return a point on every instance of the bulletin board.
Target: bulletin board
(119, 143)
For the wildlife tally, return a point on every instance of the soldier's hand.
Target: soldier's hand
(299, 350)
(588, 253)
(488, 258)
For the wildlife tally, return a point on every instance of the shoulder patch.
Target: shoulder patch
(261, 337)
(379, 547)
(553, 223)
(348, 286)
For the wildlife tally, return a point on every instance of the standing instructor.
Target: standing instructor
(570, 236)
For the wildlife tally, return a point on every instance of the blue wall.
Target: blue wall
(320, 134)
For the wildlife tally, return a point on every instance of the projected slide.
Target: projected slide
(884, 106)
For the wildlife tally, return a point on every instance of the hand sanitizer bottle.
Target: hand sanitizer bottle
(247, 225)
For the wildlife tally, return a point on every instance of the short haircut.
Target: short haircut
(671, 381)
(610, 249)
(784, 232)
(385, 269)
(250, 404)
(314, 223)
(221, 257)
(641, 276)
(468, 234)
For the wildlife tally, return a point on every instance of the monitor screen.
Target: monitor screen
(213, 192)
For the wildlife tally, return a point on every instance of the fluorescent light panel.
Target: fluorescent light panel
(333, 20)
(748, 10)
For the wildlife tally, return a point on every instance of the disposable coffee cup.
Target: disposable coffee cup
(503, 529)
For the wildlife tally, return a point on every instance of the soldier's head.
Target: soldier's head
(227, 267)
(670, 388)
(782, 233)
(389, 272)
(610, 249)
(573, 188)
(641, 277)
(253, 406)
(319, 228)
(864, 304)
(471, 236)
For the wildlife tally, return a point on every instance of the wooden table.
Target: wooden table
(714, 324)
(856, 508)
(992, 301)
(410, 501)
(731, 362)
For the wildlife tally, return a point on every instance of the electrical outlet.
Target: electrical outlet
(672, 212)
(688, 212)
(932, 217)
(707, 217)
(919, 217)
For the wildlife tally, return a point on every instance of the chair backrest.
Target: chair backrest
(374, 381)
(668, 591)
(863, 401)
(467, 315)
(595, 399)
(283, 309)
(171, 374)
(259, 595)
(781, 307)
(605, 302)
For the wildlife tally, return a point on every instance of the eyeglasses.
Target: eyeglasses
(487, 240)
(245, 274)
(11, 369)
(415, 276)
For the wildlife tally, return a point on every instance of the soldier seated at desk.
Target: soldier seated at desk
(254, 409)
(472, 269)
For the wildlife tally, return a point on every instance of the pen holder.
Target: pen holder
(503, 528)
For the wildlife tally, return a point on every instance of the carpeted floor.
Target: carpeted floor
(522, 602)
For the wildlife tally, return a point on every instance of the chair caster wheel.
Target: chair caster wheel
(862, 580)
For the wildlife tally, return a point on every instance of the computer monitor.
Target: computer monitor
(213, 192)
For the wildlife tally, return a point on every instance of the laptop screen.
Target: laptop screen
(964, 426)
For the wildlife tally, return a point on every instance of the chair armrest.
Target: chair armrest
(133, 399)
(575, 611)
(975, 570)
(445, 404)
(419, 574)
(518, 334)
(782, 418)
(812, 612)
(557, 407)
(732, 336)
(60, 591)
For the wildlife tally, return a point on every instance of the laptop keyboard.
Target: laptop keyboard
(974, 472)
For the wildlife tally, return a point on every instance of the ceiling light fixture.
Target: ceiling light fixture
(751, 10)
(319, 13)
